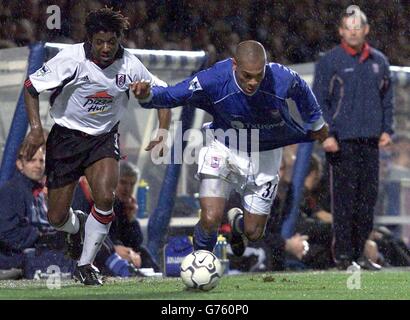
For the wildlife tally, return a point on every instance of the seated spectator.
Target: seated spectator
(276, 248)
(279, 250)
(24, 228)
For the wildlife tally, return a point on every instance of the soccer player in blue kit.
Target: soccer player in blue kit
(243, 92)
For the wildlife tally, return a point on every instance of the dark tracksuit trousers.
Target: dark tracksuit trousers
(354, 178)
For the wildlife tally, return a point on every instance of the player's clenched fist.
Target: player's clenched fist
(141, 89)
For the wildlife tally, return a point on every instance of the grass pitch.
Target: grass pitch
(384, 285)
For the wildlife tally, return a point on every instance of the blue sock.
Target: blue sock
(240, 225)
(118, 266)
(204, 240)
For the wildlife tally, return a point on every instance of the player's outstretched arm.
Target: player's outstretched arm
(35, 138)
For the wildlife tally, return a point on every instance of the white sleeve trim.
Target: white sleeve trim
(318, 124)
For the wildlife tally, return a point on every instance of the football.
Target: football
(201, 270)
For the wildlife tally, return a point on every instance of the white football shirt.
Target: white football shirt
(87, 97)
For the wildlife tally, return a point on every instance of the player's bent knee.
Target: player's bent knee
(209, 221)
(104, 200)
(57, 218)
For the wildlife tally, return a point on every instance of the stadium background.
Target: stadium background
(293, 33)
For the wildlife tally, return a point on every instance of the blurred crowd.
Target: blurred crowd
(293, 32)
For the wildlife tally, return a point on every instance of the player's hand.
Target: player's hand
(141, 89)
(384, 140)
(135, 258)
(297, 245)
(128, 254)
(330, 145)
(320, 135)
(34, 140)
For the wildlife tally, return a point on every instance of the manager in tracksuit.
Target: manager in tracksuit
(353, 86)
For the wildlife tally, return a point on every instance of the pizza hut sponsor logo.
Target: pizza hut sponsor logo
(98, 102)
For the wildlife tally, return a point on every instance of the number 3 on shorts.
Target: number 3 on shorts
(269, 190)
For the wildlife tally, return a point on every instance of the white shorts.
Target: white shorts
(255, 177)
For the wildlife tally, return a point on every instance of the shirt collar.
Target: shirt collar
(364, 54)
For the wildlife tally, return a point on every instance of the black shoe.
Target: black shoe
(87, 275)
(237, 240)
(345, 263)
(367, 264)
(75, 241)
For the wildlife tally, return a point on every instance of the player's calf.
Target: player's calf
(254, 233)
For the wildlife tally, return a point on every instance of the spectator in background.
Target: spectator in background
(353, 86)
(125, 236)
(23, 219)
(126, 231)
(277, 24)
(277, 249)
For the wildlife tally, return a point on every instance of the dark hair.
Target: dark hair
(106, 20)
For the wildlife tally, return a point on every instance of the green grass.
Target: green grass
(385, 285)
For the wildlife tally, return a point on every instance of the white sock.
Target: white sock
(95, 233)
(72, 225)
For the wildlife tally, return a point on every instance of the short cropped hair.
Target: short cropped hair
(106, 20)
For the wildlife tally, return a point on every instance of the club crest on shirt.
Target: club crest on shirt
(120, 80)
(215, 162)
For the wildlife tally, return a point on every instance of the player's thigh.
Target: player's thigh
(59, 200)
(213, 193)
(102, 177)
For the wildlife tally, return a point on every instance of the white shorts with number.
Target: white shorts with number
(255, 177)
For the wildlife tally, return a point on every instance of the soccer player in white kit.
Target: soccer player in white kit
(91, 83)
